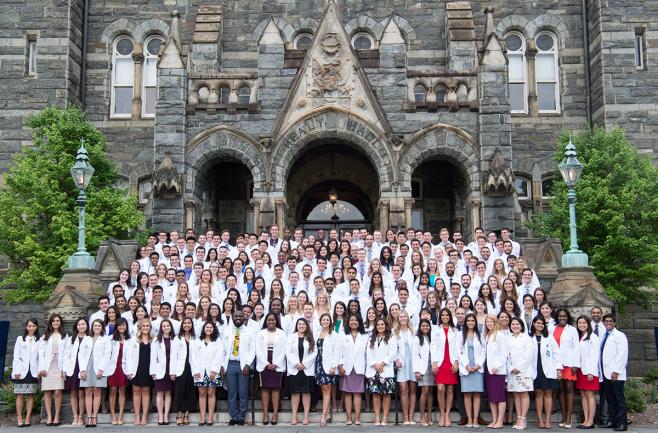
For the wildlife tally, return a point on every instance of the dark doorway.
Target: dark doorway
(229, 187)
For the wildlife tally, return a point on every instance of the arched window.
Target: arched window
(518, 86)
(420, 93)
(522, 186)
(224, 93)
(123, 77)
(440, 92)
(547, 73)
(547, 187)
(363, 41)
(150, 75)
(243, 95)
(303, 41)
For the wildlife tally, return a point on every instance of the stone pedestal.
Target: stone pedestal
(578, 290)
(76, 293)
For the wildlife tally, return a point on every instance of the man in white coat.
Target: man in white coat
(240, 353)
(612, 373)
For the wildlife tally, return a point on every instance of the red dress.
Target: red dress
(445, 376)
(567, 373)
(118, 378)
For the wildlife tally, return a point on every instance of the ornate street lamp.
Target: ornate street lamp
(571, 169)
(333, 199)
(82, 171)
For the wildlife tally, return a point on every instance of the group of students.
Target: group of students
(353, 321)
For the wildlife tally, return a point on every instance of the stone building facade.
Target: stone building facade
(241, 113)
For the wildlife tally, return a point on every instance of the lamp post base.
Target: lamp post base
(81, 261)
(575, 259)
(578, 289)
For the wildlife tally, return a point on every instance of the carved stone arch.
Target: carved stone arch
(408, 32)
(150, 27)
(285, 29)
(333, 123)
(442, 142)
(223, 141)
(366, 23)
(117, 27)
(516, 23)
(554, 25)
(301, 24)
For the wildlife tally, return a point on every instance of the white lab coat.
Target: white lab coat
(353, 353)
(115, 346)
(159, 357)
(330, 351)
(420, 355)
(46, 352)
(588, 354)
(497, 353)
(178, 355)
(131, 356)
(569, 347)
(26, 358)
(73, 351)
(386, 352)
(278, 352)
(401, 341)
(615, 356)
(522, 355)
(550, 354)
(292, 356)
(479, 353)
(247, 349)
(101, 352)
(206, 358)
(438, 345)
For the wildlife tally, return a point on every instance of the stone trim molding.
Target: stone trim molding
(286, 30)
(408, 32)
(118, 27)
(517, 23)
(223, 141)
(367, 24)
(529, 29)
(150, 27)
(443, 142)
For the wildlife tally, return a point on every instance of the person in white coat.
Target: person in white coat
(93, 370)
(185, 393)
(352, 365)
(206, 355)
(326, 362)
(549, 370)
(567, 339)
(495, 372)
(445, 364)
(51, 367)
(381, 354)
(271, 364)
(136, 365)
(116, 378)
(472, 353)
(406, 378)
(521, 370)
(422, 367)
(79, 342)
(587, 381)
(300, 359)
(160, 370)
(612, 372)
(25, 370)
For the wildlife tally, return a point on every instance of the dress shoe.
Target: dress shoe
(462, 421)
(232, 422)
(621, 427)
(609, 424)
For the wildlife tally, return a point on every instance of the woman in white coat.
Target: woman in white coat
(406, 378)
(521, 370)
(549, 370)
(381, 354)
(445, 364)
(271, 365)
(422, 367)
(567, 339)
(328, 347)
(472, 353)
(25, 370)
(185, 393)
(206, 357)
(160, 370)
(116, 378)
(300, 359)
(587, 382)
(495, 371)
(79, 343)
(136, 365)
(93, 370)
(51, 367)
(352, 366)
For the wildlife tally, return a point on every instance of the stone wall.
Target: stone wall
(16, 315)
(638, 323)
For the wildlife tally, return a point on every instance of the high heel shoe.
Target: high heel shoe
(323, 420)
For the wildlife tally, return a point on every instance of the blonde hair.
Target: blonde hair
(327, 307)
(141, 323)
(496, 328)
(397, 327)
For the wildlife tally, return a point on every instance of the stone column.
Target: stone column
(476, 221)
(408, 205)
(190, 205)
(280, 212)
(384, 207)
(255, 203)
(138, 58)
(531, 53)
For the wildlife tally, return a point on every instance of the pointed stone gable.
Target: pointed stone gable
(171, 54)
(331, 76)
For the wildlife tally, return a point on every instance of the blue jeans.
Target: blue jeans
(238, 391)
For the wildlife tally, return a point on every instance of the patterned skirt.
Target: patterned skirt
(380, 385)
(27, 385)
(519, 383)
(208, 383)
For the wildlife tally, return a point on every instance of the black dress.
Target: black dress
(300, 382)
(143, 374)
(322, 377)
(541, 381)
(185, 393)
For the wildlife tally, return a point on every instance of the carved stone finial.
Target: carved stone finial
(493, 53)
(489, 24)
(499, 177)
(167, 182)
(171, 54)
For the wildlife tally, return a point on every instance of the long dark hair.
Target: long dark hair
(172, 334)
(180, 330)
(36, 333)
(346, 324)
(49, 326)
(476, 330)
(533, 331)
(278, 322)
(450, 322)
(375, 334)
(215, 332)
(308, 334)
(588, 332)
(116, 335)
(74, 334)
(420, 335)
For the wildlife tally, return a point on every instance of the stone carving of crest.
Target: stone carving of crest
(499, 177)
(167, 183)
(330, 73)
